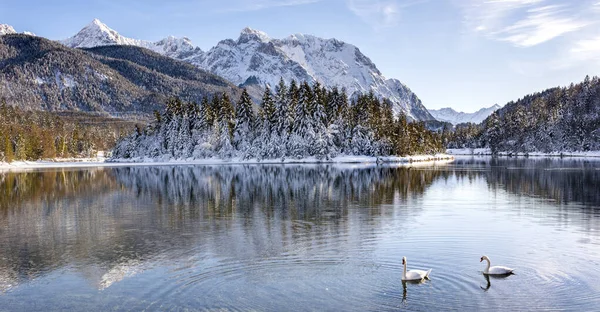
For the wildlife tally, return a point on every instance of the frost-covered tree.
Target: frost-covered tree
(244, 132)
(295, 122)
(303, 132)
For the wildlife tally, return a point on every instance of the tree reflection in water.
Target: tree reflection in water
(108, 223)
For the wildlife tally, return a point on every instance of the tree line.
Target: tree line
(562, 119)
(293, 121)
(34, 135)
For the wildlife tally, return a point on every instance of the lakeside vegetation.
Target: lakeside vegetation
(35, 135)
(563, 119)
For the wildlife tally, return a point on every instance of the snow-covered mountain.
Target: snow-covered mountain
(6, 29)
(454, 117)
(255, 58)
(97, 34)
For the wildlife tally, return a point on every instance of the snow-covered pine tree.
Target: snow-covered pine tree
(282, 121)
(173, 116)
(202, 131)
(280, 134)
(303, 133)
(322, 146)
(293, 97)
(244, 132)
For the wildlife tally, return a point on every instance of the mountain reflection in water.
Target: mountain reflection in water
(106, 225)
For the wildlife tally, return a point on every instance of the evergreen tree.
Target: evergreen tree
(244, 132)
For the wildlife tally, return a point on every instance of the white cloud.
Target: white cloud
(380, 14)
(540, 24)
(525, 23)
(531, 23)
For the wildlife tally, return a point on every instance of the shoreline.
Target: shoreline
(103, 162)
(487, 152)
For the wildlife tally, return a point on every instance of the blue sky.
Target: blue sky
(464, 54)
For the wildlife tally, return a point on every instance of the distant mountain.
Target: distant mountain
(97, 34)
(36, 73)
(450, 115)
(255, 59)
(6, 29)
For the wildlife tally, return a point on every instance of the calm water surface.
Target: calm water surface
(302, 238)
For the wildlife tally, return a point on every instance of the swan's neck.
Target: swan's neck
(487, 268)
(404, 272)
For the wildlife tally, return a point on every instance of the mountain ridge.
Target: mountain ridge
(255, 58)
(448, 114)
(40, 74)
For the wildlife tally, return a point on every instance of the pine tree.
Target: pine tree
(268, 108)
(303, 133)
(282, 120)
(9, 154)
(244, 132)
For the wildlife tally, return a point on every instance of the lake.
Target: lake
(302, 237)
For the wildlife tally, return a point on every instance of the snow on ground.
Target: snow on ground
(101, 162)
(487, 151)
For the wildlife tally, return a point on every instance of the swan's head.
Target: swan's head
(403, 260)
(484, 258)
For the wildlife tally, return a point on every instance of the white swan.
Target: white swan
(495, 270)
(413, 275)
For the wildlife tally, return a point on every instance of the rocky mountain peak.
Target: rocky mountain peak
(248, 34)
(263, 60)
(6, 29)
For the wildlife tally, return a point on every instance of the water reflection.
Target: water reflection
(337, 232)
(107, 223)
(488, 277)
(564, 181)
(405, 288)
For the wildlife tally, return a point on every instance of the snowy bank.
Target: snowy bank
(307, 160)
(101, 162)
(488, 152)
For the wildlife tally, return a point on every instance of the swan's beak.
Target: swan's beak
(480, 260)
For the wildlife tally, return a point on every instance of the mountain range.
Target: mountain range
(450, 115)
(255, 59)
(40, 74)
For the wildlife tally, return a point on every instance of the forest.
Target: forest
(561, 119)
(293, 121)
(34, 135)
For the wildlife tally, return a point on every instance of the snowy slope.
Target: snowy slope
(258, 59)
(6, 29)
(454, 117)
(97, 34)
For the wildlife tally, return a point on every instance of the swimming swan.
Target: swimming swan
(413, 275)
(495, 270)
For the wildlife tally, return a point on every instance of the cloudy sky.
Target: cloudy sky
(464, 54)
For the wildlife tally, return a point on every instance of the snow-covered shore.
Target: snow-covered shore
(488, 152)
(102, 162)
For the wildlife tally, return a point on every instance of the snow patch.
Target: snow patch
(101, 162)
(488, 152)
